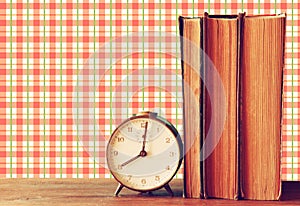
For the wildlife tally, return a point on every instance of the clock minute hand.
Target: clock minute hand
(144, 138)
(143, 153)
(131, 160)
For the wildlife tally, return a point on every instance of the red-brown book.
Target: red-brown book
(221, 167)
(191, 43)
(262, 62)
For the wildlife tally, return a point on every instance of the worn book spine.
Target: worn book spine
(262, 62)
(221, 168)
(190, 31)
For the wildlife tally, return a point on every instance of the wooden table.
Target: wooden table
(100, 192)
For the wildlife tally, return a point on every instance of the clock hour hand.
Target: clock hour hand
(144, 138)
(143, 153)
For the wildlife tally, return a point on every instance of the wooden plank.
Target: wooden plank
(100, 192)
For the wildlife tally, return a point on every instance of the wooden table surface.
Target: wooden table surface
(100, 192)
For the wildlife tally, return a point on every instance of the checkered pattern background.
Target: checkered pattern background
(44, 46)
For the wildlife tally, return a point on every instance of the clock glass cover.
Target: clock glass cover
(144, 152)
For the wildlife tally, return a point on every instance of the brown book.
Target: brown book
(221, 37)
(262, 54)
(190, 31)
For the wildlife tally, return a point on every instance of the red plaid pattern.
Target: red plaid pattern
(43, 49)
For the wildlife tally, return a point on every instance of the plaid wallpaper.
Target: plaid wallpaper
(46, 46)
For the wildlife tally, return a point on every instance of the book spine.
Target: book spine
(238, 192)
(281, 110)
(204, 25)
(181, 27)
(202, 104)
(190, 62)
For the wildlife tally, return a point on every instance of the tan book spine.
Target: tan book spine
(262, 55)
(190, 31)
(221, 35)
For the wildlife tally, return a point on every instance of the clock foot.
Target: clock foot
(169, 190)
(118, 190)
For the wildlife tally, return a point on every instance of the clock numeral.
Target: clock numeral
(116, 153)
(157, 178)
(129, 177)
(172, 154)
(168, 167)
(120, 139)
(143, 181)
(168, 140)
(129, 129)
(157, 129)
(120, 167)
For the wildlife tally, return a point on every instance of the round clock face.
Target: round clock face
(144, 153)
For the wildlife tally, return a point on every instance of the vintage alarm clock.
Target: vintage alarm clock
(144, 153)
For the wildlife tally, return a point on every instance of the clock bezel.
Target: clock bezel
(176, 135)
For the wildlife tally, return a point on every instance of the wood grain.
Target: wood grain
(221, 46)
(100, 192)
(261, 105)
(190, 45)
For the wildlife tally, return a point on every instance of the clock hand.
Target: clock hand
(143, 153)
(131, 160)
(144, 138)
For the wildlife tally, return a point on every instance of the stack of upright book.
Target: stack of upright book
(247, 57)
